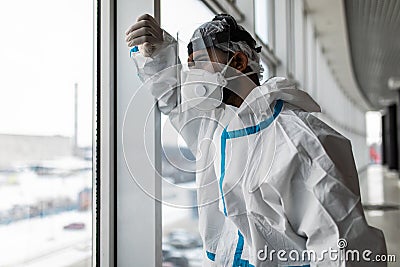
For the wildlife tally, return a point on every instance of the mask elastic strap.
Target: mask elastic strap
(226, 66)
(234, 77)
(243, 74)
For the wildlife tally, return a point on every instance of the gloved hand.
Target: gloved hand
(145, 33)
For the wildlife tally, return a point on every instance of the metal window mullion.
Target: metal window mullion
(96, 141)
(106, 172)
(158, 167)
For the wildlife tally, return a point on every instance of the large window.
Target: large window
(149, 230)
(262, 20)
(264, 28)
(266, 71)
(291, 60)
(46, 132)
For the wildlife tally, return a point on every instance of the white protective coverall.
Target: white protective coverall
(287, 182)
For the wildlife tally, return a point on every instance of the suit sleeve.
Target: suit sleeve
(327, 207)
(160, 75)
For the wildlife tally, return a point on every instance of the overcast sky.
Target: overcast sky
(46, 47)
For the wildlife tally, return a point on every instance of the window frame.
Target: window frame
(104, 136)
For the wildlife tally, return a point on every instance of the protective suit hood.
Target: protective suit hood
(274, 89)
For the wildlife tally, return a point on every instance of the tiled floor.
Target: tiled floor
(381, 186)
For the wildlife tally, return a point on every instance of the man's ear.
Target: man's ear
(239, 61)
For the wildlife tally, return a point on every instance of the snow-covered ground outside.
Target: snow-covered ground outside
(43, 241)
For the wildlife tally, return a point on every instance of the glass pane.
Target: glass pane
(261, 20)
(182, 245)
(266, 73)
(46, 132)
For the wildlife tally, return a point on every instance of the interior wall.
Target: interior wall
(337, 108)
(313, 74)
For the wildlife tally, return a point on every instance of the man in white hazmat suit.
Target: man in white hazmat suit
(276, 186)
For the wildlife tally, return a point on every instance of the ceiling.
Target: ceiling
(374, 35)
(361, 41)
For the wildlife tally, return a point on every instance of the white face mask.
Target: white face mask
(203, 89)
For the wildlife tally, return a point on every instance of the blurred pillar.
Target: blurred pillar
(398, 128)
(391, 138)
(383, 145)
